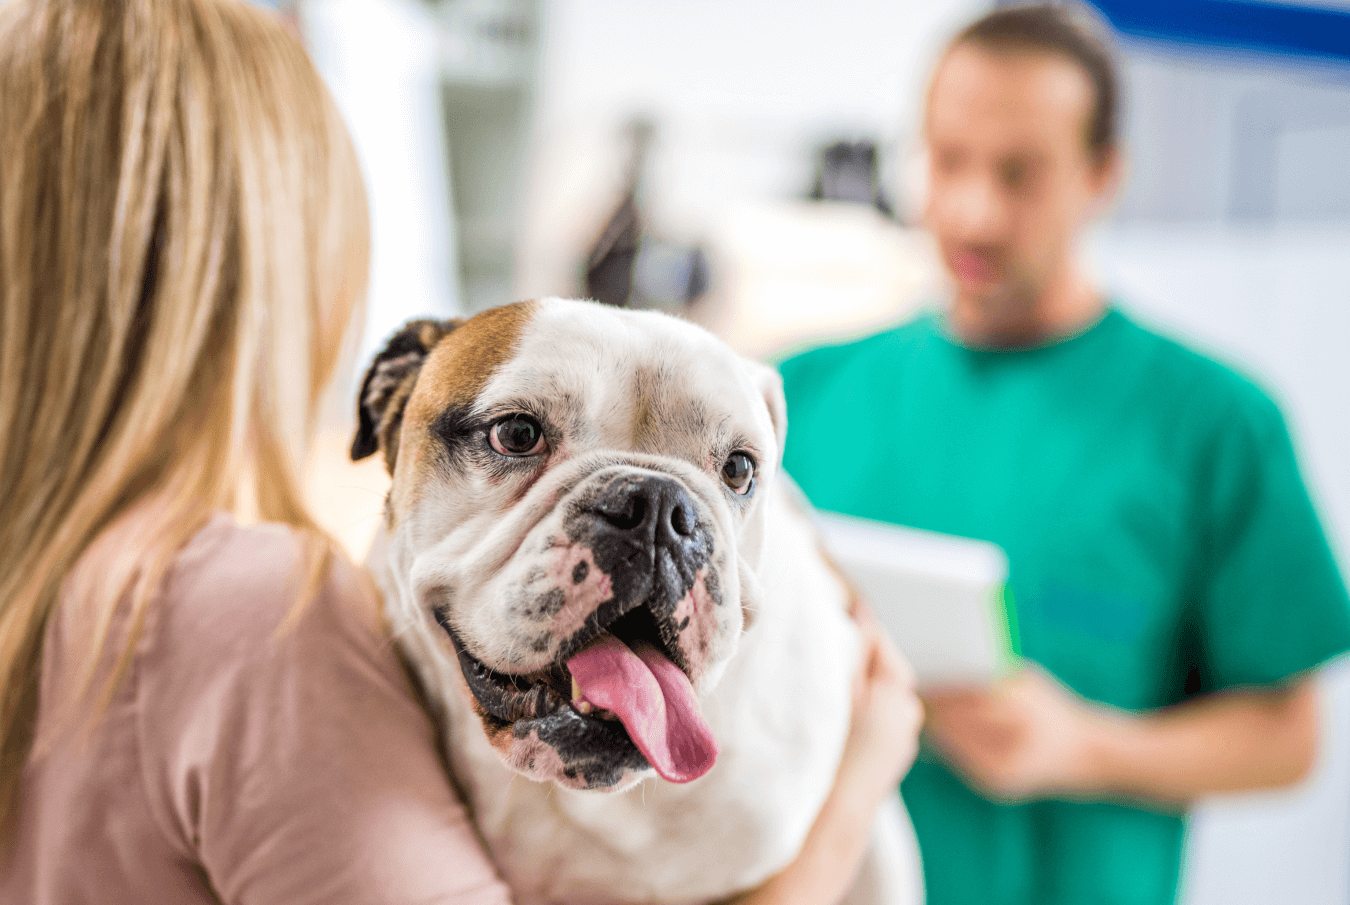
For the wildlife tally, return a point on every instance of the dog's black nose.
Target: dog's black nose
(650, 508)
(646, 535)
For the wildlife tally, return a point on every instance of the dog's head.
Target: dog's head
(576, 502)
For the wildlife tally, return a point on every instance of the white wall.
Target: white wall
(741, 92)
(1218, 136)
(380, 60)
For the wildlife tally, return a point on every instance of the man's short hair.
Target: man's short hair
(1066, 29)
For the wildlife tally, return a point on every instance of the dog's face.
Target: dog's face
(575, 502)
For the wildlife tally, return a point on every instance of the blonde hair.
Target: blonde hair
(183, 242)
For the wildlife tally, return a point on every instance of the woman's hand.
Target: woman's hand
(887, 714)
(881, 745)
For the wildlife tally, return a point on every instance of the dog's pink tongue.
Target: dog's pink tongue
(655, 702)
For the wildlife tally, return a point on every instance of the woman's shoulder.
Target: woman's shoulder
(252, 563)
(254, 578)
(252, 603)
(240, 641)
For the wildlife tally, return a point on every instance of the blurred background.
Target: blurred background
(756, 167)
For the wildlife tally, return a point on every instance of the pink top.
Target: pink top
(238, 766)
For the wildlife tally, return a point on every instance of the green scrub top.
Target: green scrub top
(1160, 544)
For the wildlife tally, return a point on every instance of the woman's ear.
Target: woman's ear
(389, 383)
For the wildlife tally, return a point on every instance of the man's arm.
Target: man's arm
(1030, 737)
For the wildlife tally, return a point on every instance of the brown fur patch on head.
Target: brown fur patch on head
(454, 374)
(463, 362)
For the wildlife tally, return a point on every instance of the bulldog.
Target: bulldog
(641, 658)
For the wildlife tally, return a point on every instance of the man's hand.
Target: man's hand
(1024, 738)
(1030, 737)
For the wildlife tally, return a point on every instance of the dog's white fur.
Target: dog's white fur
(774, 683)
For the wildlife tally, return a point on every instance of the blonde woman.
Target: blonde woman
(191, 709)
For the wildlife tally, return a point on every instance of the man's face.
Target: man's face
(1011, 178)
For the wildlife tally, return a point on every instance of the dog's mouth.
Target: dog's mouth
(618, 693)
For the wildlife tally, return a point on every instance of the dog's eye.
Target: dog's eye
(518, 435)
(738, 472)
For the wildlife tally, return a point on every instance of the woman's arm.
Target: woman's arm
(881, 746)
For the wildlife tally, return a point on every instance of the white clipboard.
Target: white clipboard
(941, 597)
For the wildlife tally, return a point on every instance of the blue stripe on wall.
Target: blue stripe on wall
(1287, 29)
(1280, 28)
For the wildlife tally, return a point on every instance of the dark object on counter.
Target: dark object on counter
(609, 267)
(847, 171)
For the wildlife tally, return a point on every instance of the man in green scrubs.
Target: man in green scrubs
(1172, 587)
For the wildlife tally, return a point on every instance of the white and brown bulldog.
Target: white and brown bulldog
(590, 562)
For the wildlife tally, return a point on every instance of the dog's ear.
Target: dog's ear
(770, 386)
(389, 383)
